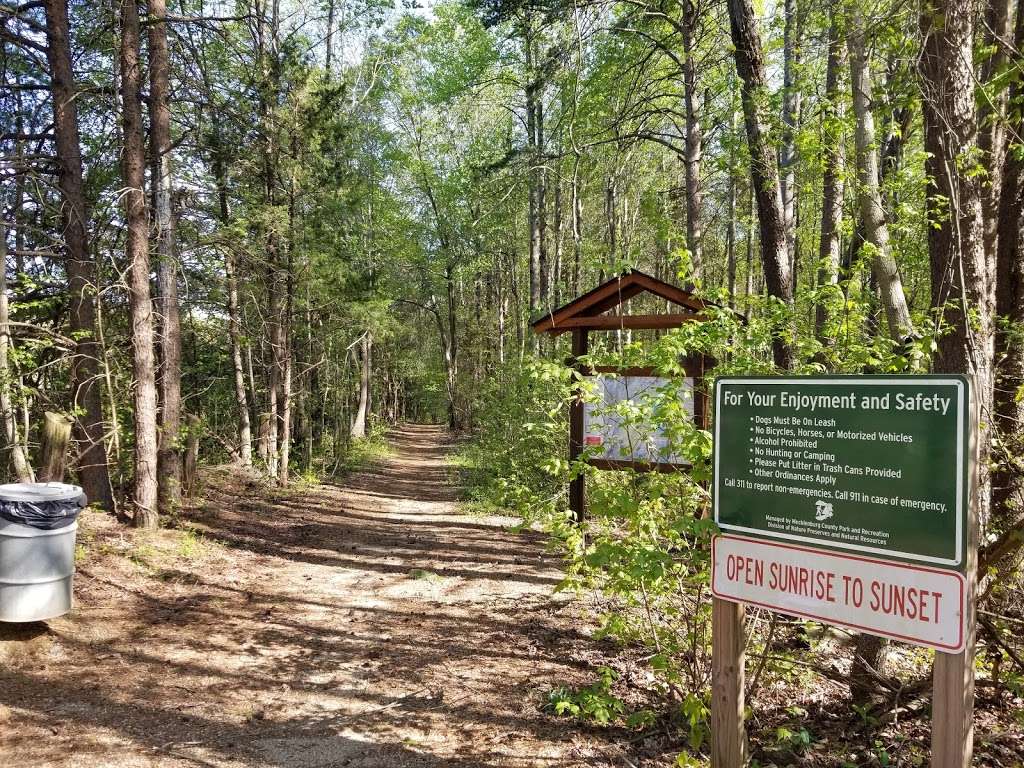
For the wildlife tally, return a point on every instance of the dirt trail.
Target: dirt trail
(366, 624)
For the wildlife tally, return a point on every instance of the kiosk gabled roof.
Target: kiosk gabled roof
(587, 311)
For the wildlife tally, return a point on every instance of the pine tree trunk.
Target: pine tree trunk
(82, 277)
(169, 458)
(764, 170)
(234, 319)
(872, 212)
(133, 168)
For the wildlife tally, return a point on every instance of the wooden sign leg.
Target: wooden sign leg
(953, 673)
(728, 734)
(577, 486)
(953, 709)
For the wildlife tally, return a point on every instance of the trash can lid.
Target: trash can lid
(39, 492)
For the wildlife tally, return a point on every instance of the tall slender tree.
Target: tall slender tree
(764, 169)
(133, 170)
(874, 223)
(169, 474)
(81, 269)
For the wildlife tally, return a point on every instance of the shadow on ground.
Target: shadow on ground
(361, 624)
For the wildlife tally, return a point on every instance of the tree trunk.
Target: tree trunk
(555, 282)
(872, 213)
(577, 226)
(169, 458)
(1008, 475)
(694, 141)
(234, 320)
(190, 466)
(991, 117)
(730, 232)
(263, 439)
(53, 447)
(869, 661)
(285, 422)
(362, 416)
(18, 461)
(764, 170)
(790, 120)
(829, 246)
(329, 40)
(535, 179)
(133, 168)
(81, 270)
(452, 352)
(963, 298)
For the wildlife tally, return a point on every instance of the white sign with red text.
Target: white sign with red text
(915, 604)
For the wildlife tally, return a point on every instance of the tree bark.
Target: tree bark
(829, 246)
(81, 270)
(535, 145)
(53, 447)
(234, 318)
(791, 103)
(869, 195)
(1008, 475)
(764, 170)
(991, 117)
(693, 148)
(169, 457)
(133, 168)
(963, 299)
(18, 460)
(730, 232)
(362, 417)
(190, 465)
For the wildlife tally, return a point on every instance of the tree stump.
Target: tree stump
(54, 447)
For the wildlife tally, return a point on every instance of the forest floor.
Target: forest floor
(369, 623)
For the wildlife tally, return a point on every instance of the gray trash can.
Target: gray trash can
(38, 524)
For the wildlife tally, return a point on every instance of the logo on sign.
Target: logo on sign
(822, 510)
(593, 440)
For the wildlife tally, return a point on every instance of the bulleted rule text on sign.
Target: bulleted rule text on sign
(872, 465)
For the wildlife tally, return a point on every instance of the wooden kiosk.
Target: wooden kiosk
(600, 310)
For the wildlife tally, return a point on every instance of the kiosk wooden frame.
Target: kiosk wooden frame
(596, 310)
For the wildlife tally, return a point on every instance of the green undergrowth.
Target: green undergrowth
(366, 451)
(642, 559)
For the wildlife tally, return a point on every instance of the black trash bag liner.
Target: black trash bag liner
(44, 515)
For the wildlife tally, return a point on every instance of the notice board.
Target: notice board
(626, 416)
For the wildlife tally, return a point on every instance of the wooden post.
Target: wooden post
(953, 673)
(577, 486)
(728, 733)
(54, 451)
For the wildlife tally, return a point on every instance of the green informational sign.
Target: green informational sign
(864, 464)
